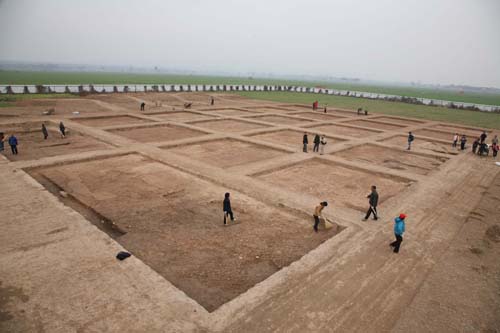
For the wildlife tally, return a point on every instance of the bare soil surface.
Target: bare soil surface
(157, 133)
(268, 109)
(179, 116)
(436, 134)
(228, 125)
(375, 125)
(319, 116)
(292, 138)
(110, 121)
(282, 120)
(178, 230)
(392, 158)
(468, 131)
(227, 153)
(230, 112)
(343, 130)
(334, 183)
(420, 143)
(400, 121)
(33, 146)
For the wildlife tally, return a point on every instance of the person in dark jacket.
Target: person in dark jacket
(410, 140)
(474, 145)
(45, 132)
(463, 141)
(373, 200)
(227, 208)
(317, 140)
(62, 128)
(143, 106)
(13, 144)
(2, 139)
(305, 141)
(483, 137)
(399, 229)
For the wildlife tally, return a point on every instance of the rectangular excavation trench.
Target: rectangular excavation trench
(396, 159)
(173, 222)
(340, 185)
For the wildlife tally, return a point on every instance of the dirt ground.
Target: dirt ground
(179, 116)
(292, 138)
(33, 146)
(468, 131)
(343, 130)
(313, 176)
(228, 125)
(110, 121)
(177, 229)
(230, 112)
(373, 124)
(319, 116)
(396, 159)
(226, 153)
(268, 273)
(282, 120)
(420, 143)
(157, 133)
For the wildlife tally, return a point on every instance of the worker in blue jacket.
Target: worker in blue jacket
(399, 229)
(226, 206)
(13, 144)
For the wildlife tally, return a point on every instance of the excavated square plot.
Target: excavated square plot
(32, 145)
(375, 125)
(226, 153)
(341, 186)
(231, 112)
(468, 131)
(335, 129)
(228, 125)
(421, 143)
(291, 138)
(110, 121)
(282, 120)
(157, 133)
(392, 158)
(400, 121)
(173, 222)
(180, 116)
(269, 109)
(319, 116)
(434, 134)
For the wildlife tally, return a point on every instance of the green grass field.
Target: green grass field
(10, 100)
(20, 78)
(464, 117)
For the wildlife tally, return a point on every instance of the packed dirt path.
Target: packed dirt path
(58, 271)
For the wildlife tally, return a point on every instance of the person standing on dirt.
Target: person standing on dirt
(305, 142)
(2, 139)
(494, 141)
(399, 229)
(13, 144)
(495, 148)
(212, 101)
(45, 132)
(143, 106)
(474, 145)
(226, 205)
(463, 141)
(317, 214)
(483, 137)
(373, 200)
(322, 145)
(317, 141)
(410, 140)
(62, 129)
(455, 140)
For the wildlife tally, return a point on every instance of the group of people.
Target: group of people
(480, 147)
(399, 221)
(319, 143)
(14, 142)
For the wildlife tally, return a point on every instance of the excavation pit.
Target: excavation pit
(319, 116)
(334, 183)
(173, 222)
(395, 159)
(421, 143)
(228, 125)
(268, 109)
(400, 121)
(110, 121)
(292, 139)
(374, 125)
(180, 116)
(335, 129)
(157, 133)
(229, 112)
(32, 145)
(282, 120)
(227, 153)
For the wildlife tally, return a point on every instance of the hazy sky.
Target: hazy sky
(432, 41)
